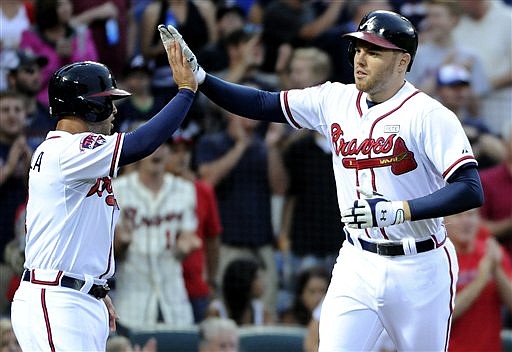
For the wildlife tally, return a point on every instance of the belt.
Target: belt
(97, 291)
(392, 249)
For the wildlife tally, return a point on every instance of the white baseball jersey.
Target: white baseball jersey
(150, 277)
(71, 210)
(403, 148)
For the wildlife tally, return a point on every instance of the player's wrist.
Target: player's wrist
(187, 86)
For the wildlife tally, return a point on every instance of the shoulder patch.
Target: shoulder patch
(92, 141)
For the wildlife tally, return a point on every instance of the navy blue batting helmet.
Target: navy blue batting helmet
(85, 89)
(386, 29)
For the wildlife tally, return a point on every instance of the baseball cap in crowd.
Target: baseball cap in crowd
(453, 75)
(223, 10)
(137, 64)
(185, 135)
(24, 58)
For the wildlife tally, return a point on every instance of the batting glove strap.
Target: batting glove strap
(373, 212)
(169, 34)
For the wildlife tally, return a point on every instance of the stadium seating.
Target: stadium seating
(271, 338)
(168, 339)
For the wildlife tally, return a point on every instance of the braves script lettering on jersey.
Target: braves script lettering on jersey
(395, 147)
(71, 214)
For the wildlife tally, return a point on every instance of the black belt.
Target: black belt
(392, 249)
(98, 291)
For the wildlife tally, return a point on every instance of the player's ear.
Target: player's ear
(405, 58)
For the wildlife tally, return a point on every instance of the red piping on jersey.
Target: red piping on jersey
(41, 282)
(438, 244)
(288, 111)
(47, 320)
(108, 265)
(448, 324)
(455, 163)
(53, 137)
(114, 157)
(358, 104)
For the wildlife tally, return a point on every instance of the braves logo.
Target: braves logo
(92, 141)
(401, 159)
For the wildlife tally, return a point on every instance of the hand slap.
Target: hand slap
(375, 211)
(169, 34)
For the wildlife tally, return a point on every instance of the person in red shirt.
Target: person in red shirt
(200, 266)
(497, 186)
(483, 287)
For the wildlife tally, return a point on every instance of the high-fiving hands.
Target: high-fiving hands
(171, 34)
(374, 211)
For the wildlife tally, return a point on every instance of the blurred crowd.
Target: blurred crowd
(235, 219)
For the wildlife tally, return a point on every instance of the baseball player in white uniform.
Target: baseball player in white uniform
(157, 229)
(401, 162)
(62, 302)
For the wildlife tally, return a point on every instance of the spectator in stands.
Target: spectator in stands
(414, 10)
(312, 337)
(218, 335)
(214, 57)
(15, 156)
(296, 23)
(245, 171)
(311, 230)
(497, 185)
(245, 56)
(155, 232)
(242, 290)
(483, 286)
(194, 19)
(142, 104)
(8, 341)
(485, 29)
(25, 76)
(14, 19)
(200, 266)
(112, 28)
(438, 47)
(54, 37)
(310, 288)
(454, 91)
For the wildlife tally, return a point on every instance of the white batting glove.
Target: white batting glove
(170, 34)
(375, 211)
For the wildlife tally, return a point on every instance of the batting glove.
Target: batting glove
(170, 34)
(375, 211)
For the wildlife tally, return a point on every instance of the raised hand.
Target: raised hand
(181, 71)
(170, 34)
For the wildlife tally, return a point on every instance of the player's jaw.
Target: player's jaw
(376, 78)
(102, 127)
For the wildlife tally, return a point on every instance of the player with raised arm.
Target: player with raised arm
(62, 302)
(397, 270)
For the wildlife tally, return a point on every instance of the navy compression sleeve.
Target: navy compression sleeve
(244, 101)
(463, 192)
(144, 140)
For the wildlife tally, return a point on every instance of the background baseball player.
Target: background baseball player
(62, 302)
(397, 270)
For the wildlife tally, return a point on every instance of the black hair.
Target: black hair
(237, 286)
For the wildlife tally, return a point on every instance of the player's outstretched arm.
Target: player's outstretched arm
(144, 140)
(244, 101)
